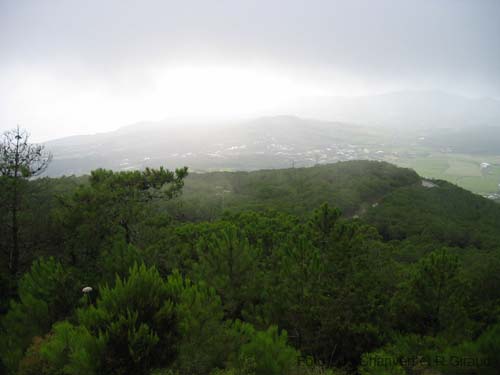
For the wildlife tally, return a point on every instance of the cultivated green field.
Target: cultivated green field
(463, 170)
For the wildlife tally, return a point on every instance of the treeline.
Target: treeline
(267, 289)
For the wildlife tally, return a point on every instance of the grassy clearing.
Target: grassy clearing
(463, 168)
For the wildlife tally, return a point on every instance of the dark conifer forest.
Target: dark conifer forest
(357, 267)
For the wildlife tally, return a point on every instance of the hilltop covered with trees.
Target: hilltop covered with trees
(347, 268)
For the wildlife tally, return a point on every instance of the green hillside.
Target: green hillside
(444, 213)
(351, 186)
(391, 198)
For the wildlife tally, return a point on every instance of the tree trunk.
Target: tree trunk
(14, 254)
(128, 235)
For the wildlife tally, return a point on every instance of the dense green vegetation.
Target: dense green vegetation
(350, 186)
(347, 268)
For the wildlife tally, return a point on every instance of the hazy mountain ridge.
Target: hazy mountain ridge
(440, 123)
(268, 142)
(405, 109)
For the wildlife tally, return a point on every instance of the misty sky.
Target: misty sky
(72, 67)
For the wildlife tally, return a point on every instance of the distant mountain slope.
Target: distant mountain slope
(481, 140)
(268, 142)
(274, 142)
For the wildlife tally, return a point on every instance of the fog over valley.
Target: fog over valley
(432, 132)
